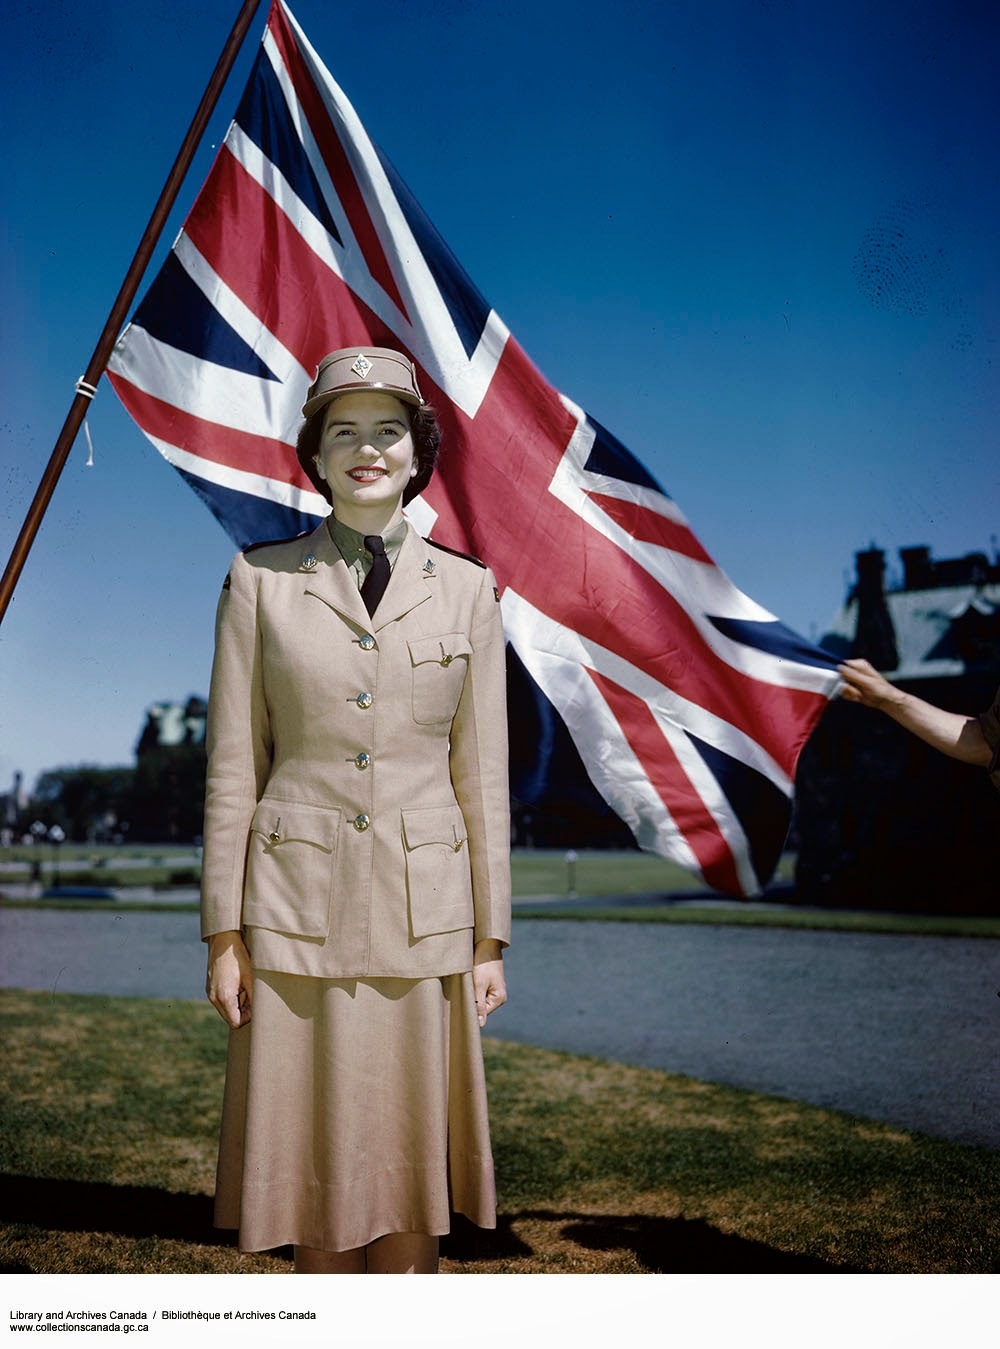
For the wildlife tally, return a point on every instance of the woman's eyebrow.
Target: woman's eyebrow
(379, 421)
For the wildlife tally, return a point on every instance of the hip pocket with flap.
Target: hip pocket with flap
(438, 875)
(440, 665)
(290, 866)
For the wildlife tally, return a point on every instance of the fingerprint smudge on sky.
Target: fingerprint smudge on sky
(901, 265)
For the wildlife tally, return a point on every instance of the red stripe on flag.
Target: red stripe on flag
(494, 501)
(252, 245)
(210, 440)
(673, 786)
(650, 527)
(334, 156)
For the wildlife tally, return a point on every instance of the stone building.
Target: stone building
(171, 724)
(882, 820)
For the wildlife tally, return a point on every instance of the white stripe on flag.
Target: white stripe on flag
(238, 480)
(700, 588)
(258, 407)
(555, 656)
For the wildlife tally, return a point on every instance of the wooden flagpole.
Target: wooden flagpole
(102, 352)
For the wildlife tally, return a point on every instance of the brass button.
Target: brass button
(361, 823)
(362, 760)
(447, 660)
(367, 642)
(458, 845)
(364, 700)
(274, 836)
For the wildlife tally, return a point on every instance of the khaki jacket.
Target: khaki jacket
(357, 811)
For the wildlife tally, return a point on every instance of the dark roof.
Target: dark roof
(945, 615)
(940, 630)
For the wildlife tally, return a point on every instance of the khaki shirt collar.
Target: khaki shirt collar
(351, 543)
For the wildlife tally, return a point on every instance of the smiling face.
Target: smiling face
(366, 458)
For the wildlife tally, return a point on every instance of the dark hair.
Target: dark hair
(426, 440)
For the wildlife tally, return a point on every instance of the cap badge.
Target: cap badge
(308, 563)
(429, 567)
(362, 366)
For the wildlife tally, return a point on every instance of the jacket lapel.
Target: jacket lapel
(331, 580)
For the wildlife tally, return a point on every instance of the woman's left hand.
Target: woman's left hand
(487, 979)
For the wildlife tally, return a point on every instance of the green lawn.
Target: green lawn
(534, 873)
(542, 872)
(108, 1140)
(748, 915)
(616, 875)
(598, 873)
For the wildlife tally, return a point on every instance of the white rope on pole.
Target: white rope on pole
(88, 391)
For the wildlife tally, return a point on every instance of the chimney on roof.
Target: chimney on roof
(918, 569)
(874, 636)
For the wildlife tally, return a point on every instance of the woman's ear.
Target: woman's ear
(318, 461)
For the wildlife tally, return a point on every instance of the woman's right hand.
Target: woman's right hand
(229, 983)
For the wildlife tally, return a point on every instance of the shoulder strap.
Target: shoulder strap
(455, 552)
(271, 543)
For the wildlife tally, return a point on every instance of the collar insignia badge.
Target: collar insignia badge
(308, 563)
(429, 568)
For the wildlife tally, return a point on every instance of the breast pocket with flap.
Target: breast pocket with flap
(290, 866)
(440, 665)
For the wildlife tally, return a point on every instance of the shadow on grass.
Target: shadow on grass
(121, 1210)
(660, 1245)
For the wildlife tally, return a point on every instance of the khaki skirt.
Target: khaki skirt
(354, 1108)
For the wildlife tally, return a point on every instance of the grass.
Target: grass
(617, 876)
(602, 873)
(95, 854)
(157, 876)
(534, 873)
(737, 915)
(719, 915)
(109, 1146)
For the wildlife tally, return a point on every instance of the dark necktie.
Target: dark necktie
(378, 578)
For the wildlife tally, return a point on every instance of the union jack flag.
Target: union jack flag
(685, 703)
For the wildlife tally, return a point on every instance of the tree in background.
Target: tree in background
(168, 794)
(160, 800)
(90, 803)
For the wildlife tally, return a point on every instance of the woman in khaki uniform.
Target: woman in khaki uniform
(356, 890)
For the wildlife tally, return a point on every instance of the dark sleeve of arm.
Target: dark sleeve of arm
(239, 750)
(479, 768)
(989, 724)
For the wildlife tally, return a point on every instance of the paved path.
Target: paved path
(902, 1029)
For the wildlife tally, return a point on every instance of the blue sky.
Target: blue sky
(757, 241)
